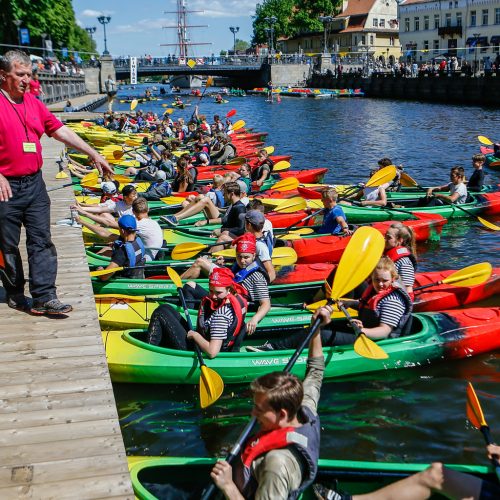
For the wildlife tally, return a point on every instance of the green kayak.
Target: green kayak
(155, 478)
(480, 204)
(436, 336)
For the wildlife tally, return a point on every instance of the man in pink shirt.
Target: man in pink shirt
(23, 196)
(36, 86)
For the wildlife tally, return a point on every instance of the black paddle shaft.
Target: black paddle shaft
(303, 220)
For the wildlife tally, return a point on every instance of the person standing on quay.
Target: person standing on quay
(110, 86)
(23, 196)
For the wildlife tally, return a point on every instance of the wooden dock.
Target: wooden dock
(59, 431)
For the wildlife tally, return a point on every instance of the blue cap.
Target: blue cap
(128, 222)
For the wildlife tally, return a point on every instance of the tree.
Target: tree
(241, 45)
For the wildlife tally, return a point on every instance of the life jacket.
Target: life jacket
(370, 317)
(219, 198)
(237, 329)
(305, 440)
(197, 157)
(397, 253)
(268, 240)
(255, 266)
(257, 172)
(113, 197)
(135, 255)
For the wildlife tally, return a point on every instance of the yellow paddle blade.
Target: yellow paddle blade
(281, 166)
(239, 160)
(118, 154)
(284, 256)
(134, 104)
(303, 230)
(209, 82)
(173, 200)
(286, 184)
(473, 409)
(484, 140)
(93, 177)
(488, 224)
(382, 176)
(174, 276)
(296, 234)
(123, 179)
(211, 386)
(61, 175)
(291, 205)
(269, 149)
(473, 275)
(184, 251)
(168, 111)
(407, 180)
(290, 237)
(368, 349)
(102, 272)
(237, 125)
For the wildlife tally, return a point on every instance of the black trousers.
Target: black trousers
(28, 207)
(167, 328)
(328, 338)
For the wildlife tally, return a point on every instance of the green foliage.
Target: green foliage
(293, 17)
(241, 45)
(55, 18)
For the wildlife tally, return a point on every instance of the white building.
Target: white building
(464, 28)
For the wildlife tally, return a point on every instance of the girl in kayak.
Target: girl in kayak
(220, 325)
(401, 248)
(263, 169)
(457, 188)
(249, 274)
(384, 312)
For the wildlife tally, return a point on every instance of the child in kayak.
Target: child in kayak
(264, 167)
(220, 325)
(384, 312)
(334, 219)
(457, 188)
(476, 180)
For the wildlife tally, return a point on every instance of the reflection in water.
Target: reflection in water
(406, 415)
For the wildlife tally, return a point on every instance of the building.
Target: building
(363, 26)
(467, 29)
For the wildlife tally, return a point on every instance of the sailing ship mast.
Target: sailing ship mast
(183, 42)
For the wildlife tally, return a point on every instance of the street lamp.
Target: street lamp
(18, 23)
(91, 31)
(234, 30)
(104, 20)
(271, 21)
(476, 39)
(326, 20)
(44, 36)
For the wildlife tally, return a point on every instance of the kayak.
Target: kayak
(186, 477)
(436, 336)
(289, 286)
(224, 101)
(303, 176)
(493, 162)
(481, 204)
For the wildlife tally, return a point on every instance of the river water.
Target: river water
(414, 415)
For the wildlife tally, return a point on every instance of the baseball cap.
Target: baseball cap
(128, 222)
(108, 187)
(254, 217)
(160, 175)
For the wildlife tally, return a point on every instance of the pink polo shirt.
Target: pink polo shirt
(33, 118)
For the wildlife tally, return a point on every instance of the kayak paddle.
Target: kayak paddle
(380, 177)
(476, 418)
(239, 160)
(291, 205)
(237, 125)
(484, 140)
(282, 256)
(281, 165)
(134, 104)
(269, 150)
(364, 254)
(102, 272)
(286, 184)
(211, 384)
(475, 274)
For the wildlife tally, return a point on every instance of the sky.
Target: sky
(136, 27)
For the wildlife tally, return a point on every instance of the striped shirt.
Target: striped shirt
(406, 271)
(219, 323)
(256, 285)
(391, 309)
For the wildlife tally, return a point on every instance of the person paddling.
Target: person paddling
(220, 325)
(456, 187)
(264, 167)
(476, 180)
(334, 218)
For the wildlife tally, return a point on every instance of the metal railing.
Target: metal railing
(58, 88)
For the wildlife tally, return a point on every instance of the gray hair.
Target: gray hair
(14, 56)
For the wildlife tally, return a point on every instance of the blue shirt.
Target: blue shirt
(330, 224)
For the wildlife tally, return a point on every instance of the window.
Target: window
(391, 41)
(375, 22)
(426, 22)
(371, 39)
(447, 20)
(407, 24)
(450, 5)
(355, 40)
(382, 23)
(459, 19)
(435, 46)
(456, 4)
(436, 21)
(363, 40)
(472, 17)
(417, 23)
(426, 44)
(485, 17)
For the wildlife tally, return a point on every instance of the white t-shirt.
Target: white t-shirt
(371, 193)
(119, 207)
(461, 189)
(262, 251)
(268, 228)
(151, 235)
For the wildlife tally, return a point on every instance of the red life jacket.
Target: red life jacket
(397, 253)
(237, 328)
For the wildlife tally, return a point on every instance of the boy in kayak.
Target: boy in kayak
(476, 180)
(221, 320)
(437, 478)
(281, 460)
(384, 312)
(334, 219)
(264, 167)
(456, 186)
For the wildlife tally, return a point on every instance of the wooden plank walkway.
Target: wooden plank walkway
(59, 431)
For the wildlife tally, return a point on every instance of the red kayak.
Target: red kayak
(442, 297)
(300, 175)
(329, 248)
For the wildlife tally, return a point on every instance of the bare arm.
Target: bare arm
(211, 348)
(268, 266)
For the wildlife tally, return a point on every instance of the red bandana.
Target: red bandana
(221, 276)
(246, 243)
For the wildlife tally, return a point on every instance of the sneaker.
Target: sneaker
(170, 220)
(260, 348)
(324, 493)
(54, 306)
(19, 302)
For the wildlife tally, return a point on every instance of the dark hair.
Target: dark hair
(256, 204)
(232, 188)
(128, 189)
(385, 162)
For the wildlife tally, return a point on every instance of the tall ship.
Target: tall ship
(183, 45)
